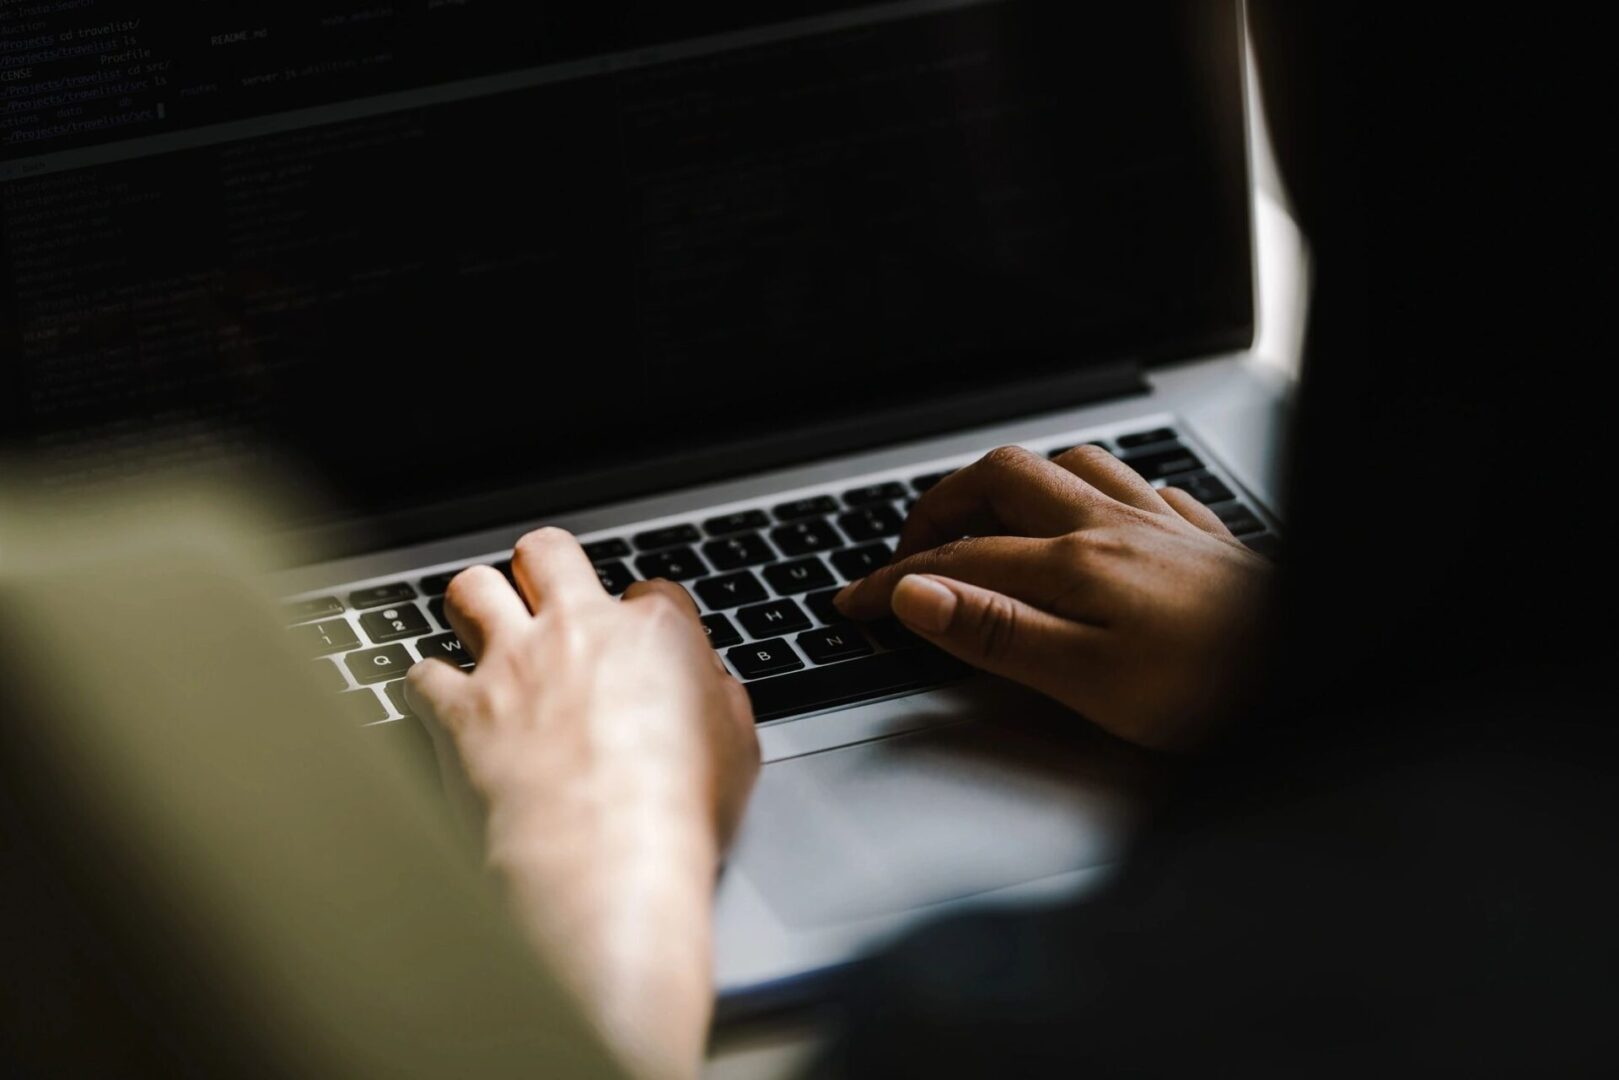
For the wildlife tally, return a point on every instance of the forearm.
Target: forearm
(621, 903)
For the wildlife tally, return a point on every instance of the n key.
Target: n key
(833, 644)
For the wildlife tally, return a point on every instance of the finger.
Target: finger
(677, 595)
(551, 568)
(1008, 490)
(1015, 565)
(664, 587)
(482, 605)
(1003, 636)
(431, 686)
(1189, 508)
(1112, 477)
(432, 690)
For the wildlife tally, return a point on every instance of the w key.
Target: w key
(445, 647)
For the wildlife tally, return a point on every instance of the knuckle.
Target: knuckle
(664, 599)
(1007, 457)
(1074, 549)
(468, 580)
(538, 541)
(1086, 452)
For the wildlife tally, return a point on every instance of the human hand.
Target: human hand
(1135, 607)
(613, 755)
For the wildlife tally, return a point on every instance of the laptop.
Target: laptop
(720, 288)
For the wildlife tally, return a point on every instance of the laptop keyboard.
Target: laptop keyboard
(764, 577)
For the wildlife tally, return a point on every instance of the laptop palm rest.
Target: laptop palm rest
(936, 815)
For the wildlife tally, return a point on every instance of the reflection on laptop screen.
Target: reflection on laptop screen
(441, 247)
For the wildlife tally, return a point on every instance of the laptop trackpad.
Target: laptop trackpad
(899, 823)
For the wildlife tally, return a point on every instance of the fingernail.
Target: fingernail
(844, 593)
(924, 603)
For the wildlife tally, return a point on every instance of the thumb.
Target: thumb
(998, 633)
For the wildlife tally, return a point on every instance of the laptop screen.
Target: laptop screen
(436, 249)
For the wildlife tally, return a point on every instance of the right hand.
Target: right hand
(1133, 606)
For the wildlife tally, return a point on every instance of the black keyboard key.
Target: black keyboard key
(363, 706)
(857, 562)
(871, 522)
(735, 552)
(333, 635)
(436, 607)
(328, 677)
(821, 606)
(731, 590)
(602, 550)
(319, 607)
(436, 584)
(396, 698)
(806, 537)
(720, 631)
(864, 679)
(892, 634)
(1061, 450)
(615, 576)
(803, 508)
(1238, 518)
(680, 564)
(776, 617)
(738, 521)
(800, 575)
(927, 480)
(834, 643)
(505, 568)
(393, 623)
(444, 647)
(1206, 488)
(1146, 438)
(757, 659)
(1166, 462)
(1267, 544)
(871, 493)
(381, 595)
(668, 536)
(375, 665)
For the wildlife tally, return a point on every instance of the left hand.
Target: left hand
(613, 754)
